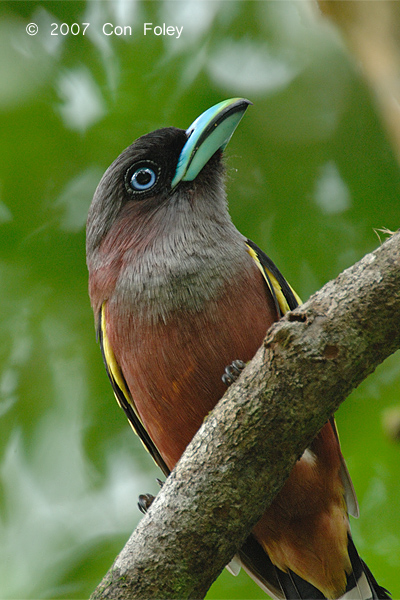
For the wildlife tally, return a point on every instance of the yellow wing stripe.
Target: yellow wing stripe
(270, 279)
(123, 395)
(113, 367)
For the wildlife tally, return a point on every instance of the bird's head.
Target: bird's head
(168, 169)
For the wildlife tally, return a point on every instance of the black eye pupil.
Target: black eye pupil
(143, 177)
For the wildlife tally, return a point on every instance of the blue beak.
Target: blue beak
(211, 131)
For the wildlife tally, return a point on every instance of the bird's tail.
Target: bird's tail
(361, 584)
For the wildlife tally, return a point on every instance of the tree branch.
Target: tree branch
(235, 465)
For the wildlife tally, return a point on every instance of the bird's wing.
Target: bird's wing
(285, 299)
(284, 295)
(349, 491)
(122, 394)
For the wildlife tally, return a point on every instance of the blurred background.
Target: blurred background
(311, 176)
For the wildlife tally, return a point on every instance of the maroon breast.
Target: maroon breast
(173, 369)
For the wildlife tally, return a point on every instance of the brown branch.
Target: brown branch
(310, 362)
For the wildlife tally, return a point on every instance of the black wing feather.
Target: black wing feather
(267, 263)
(126, 404)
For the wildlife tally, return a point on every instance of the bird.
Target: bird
(181, 301)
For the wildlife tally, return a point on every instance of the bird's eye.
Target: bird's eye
(143, 179)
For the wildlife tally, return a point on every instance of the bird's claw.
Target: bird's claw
(146, 500)
(232, 372)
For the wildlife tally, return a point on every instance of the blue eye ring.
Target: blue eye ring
(147, 176)
(142, 177)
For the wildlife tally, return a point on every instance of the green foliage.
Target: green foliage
(310, 175)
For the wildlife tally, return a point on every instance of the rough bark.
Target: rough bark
(309, 363)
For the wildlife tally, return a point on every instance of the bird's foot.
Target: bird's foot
(232, 372)
(146, 500)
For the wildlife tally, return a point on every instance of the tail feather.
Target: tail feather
(358, 589)
(294, 586)
(357, 583)
(381, 592)
(361, 584)
(364, 582)
(258, 565)
(288, 585)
